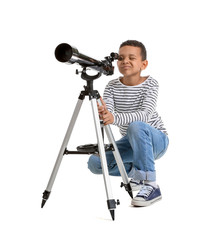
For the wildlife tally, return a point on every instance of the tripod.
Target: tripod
(99, 148)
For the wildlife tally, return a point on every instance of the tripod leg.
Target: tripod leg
(46, 193)
(111, 202)
(119, 161)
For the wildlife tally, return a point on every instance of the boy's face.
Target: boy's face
(130, 61)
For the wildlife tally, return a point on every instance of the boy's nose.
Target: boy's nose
(125, 60)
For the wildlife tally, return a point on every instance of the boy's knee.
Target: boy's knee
(94, 164)
(137, 127)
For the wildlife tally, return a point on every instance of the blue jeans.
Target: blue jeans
(138, 149)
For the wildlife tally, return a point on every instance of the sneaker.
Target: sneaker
(136, 184)
(146, 196)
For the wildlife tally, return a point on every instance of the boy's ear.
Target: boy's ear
(144, 64)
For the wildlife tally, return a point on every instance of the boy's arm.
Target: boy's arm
(148, 107)
(120, 118)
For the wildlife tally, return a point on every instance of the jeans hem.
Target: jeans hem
(142, 175)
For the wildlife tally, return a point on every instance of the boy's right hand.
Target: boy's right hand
(101, 109)
(104, 114)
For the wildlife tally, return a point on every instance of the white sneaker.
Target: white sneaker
(146, 196)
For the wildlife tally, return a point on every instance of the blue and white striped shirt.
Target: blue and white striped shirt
(133, 103)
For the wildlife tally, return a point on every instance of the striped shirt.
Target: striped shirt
(133, 103)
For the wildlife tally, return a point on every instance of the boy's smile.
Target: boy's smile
(130, 63)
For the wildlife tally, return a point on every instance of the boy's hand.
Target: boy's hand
(104, 114)
(107, 118)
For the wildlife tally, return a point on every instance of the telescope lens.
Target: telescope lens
(63, 52)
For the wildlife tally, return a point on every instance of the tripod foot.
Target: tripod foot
(43, 203)
(127, 188)
(111, 206)
(45, 197)
(131, 194)
(112, 214)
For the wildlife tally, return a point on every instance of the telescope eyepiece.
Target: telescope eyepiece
(114, 56)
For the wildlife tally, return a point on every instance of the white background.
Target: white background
(38, 95)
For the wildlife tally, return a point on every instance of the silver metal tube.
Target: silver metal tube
(117, 154)
(64, 145)
(101, 149)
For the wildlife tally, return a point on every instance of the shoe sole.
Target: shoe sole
(141, 203)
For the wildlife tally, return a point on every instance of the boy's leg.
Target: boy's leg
(124, 147)
(148, 144)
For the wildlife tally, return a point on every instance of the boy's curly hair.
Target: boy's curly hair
(135, 43)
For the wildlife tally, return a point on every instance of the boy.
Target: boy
(129, 102)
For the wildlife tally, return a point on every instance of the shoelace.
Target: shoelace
(145, 191)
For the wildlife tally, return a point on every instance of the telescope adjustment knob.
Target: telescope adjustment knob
(77, 72)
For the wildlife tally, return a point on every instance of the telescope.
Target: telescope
(67, 54)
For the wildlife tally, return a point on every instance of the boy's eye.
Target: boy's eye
(120, 58)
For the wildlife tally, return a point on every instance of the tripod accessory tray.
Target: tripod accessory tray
(90, 149)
